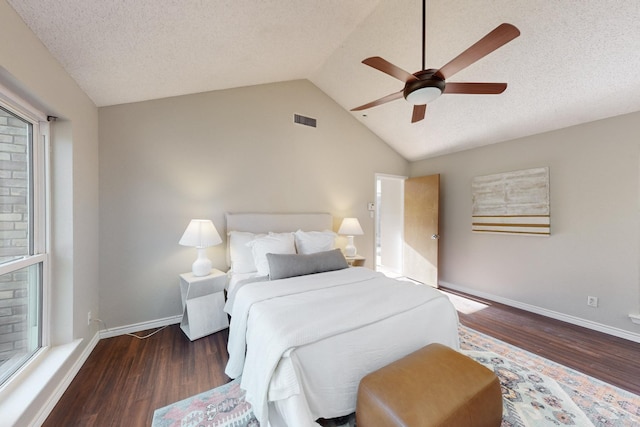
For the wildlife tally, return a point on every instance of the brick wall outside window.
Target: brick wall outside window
(14, 238)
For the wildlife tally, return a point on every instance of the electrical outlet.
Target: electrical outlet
(89, 318)
(592, 301)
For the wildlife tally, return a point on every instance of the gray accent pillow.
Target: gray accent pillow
(282, 266)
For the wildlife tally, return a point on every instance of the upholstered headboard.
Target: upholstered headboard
(278, 222)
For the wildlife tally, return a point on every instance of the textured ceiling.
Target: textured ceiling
(575, 61)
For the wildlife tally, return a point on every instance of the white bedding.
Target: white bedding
(310, 339)
(234, 279)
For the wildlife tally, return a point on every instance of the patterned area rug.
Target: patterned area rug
(536, 392)
(222, 406)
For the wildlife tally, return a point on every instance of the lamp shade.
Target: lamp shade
(351, 227)
(200, 233)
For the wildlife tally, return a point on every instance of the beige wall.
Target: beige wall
(593, 248)
(167, 161)
(29, 69)
(36, 75)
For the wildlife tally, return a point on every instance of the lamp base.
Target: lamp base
(350, 250)
(201, 266)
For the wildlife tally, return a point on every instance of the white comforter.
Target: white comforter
(272, 320)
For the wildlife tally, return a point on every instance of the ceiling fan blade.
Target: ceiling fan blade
(388, 68)
(383, 100)
(475, 88)
(500, 36)
(418, 113)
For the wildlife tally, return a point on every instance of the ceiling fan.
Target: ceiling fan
(426, 85)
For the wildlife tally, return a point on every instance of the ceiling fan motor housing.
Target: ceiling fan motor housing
(425, 88)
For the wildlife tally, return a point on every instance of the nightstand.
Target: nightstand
(355, 261)
(203, 304)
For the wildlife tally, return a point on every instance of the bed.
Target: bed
(301, 344)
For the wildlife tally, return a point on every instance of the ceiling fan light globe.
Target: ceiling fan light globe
(423, 95)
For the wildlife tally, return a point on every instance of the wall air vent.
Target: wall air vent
(307, 121)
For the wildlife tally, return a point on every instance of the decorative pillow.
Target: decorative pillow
(310, 242)
(274, 243)
(283, 266)
(240, 255)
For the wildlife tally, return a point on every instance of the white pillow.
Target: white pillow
(240, 255)
(274, 243)
(310, 242)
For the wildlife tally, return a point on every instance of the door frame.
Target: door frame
(377, 178)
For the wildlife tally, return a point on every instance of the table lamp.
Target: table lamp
(350, 227)
(200, 234)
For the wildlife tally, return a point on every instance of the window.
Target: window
(23, 255)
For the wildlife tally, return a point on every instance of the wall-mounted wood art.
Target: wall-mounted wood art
(512, 203)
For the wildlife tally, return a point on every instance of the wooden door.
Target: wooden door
(421, 209)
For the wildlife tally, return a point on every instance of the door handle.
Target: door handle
(435, 236)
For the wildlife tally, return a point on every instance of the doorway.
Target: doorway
(389, 224)
(407, 217)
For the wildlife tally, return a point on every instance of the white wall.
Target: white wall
(594, 243)
(29, 68)
(167, 161)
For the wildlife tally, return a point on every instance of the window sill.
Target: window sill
(26, 397)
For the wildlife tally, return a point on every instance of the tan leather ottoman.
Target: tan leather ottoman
(434, 386)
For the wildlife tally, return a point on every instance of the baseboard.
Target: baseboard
(46, 409)
(51, 402)
(64, 352)
(620, 333)
(137, 327)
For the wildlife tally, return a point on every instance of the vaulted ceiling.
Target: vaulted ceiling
(575, 61)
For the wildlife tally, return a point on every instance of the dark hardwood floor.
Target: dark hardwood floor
(125, 379)
(602, 356)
